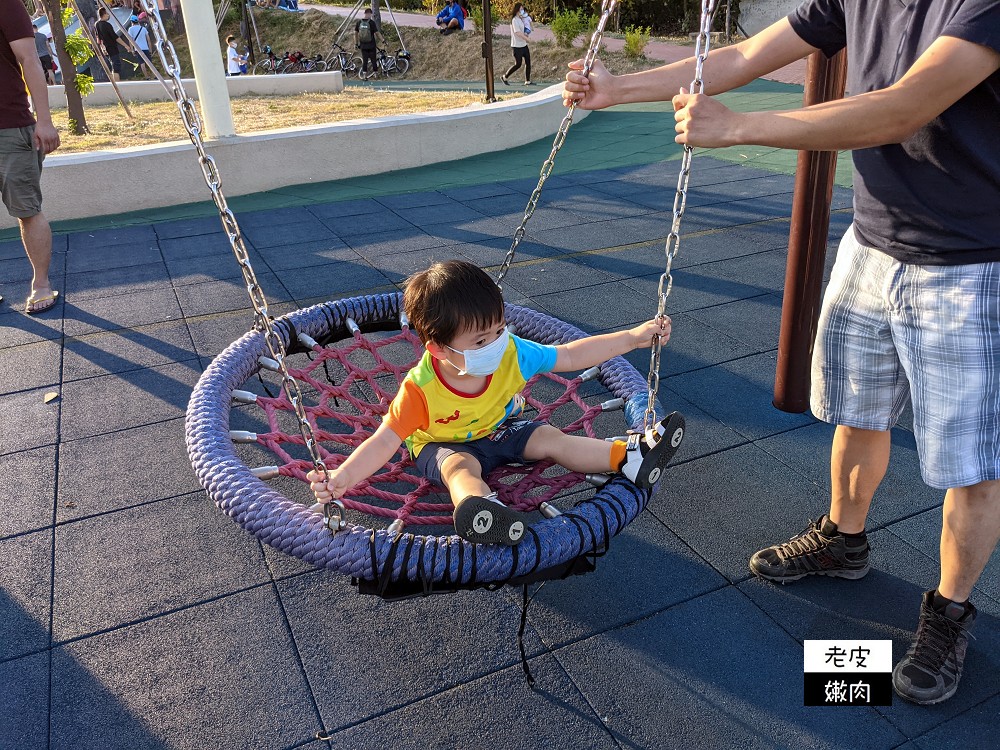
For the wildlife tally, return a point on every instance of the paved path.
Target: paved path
(133, 614)
(655, 50)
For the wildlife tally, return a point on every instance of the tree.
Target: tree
(71, 83)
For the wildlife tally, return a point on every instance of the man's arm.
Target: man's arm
(942, 75)
(46, 135)
(725, 68)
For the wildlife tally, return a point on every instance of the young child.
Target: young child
(458, 408)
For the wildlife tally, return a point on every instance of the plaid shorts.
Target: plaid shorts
(893, 333)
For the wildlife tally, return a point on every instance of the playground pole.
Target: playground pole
(807, 237)
(209, 68)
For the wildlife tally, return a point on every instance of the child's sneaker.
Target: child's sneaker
(483, 520)
(647, 454)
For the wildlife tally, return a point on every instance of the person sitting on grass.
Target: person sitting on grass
(459, 408)
(451, 18)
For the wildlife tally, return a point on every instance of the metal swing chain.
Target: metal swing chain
(262, 322)
(680, 202)
(607, 8)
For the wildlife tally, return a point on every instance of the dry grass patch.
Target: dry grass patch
(159, 122)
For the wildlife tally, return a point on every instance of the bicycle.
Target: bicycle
(270, 64)
(344, 61)
(299, 63)
(395, 66)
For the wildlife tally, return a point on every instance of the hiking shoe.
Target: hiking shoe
(819, 550)
(647, 454)
(483, 520)
(931, 669)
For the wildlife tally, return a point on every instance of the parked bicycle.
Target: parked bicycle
(390, 66)
(341, 59)
(298, 62)
(271, 64)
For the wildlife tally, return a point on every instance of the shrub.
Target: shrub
(568, 25)
(498, 14)
(636, 39)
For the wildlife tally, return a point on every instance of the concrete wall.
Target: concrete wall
(111, 182)
(153, 91)
(759, 14)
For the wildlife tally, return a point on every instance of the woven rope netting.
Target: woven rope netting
(353, 384)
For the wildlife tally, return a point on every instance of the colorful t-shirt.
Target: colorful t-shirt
(428, 410)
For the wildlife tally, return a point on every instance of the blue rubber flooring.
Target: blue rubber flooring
(134, 614)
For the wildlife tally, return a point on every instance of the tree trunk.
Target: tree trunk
(74, 101)
(377, 13)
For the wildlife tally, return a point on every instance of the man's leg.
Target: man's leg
(858, 462)
(969, 534)
(37, 237)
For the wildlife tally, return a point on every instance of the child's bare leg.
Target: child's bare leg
(573, 452)
(463, 476)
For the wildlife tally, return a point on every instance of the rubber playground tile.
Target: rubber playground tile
(139, 397)
(291, 258)
(735, 213)
(416, 200)
(29, 366)
(99, 474)
(694, 288)
(114, 282)
(29, 488)
(651, 678)
(274, 217)
(394, 241)
(126, 349)
(24, 722)
(228, 295)
(581, 201)
(220, 675)
(621, 590)
(748, 385)
(900, 495)
(18, 269)
(923, 532)
(604, 307)
(505, 203)
(731, 243)
(399, 266)
(137, 563)
(442, 641)
(25, 580)
(126, 310)
(334, 280)
(28, 422)
(885, 604)
(103, 239)
(215, 267)
(468, 193)
(747, 494)
(117, 256)
(341, 208)
(451, 212)
(197, 246)
(17, 328)
(498, 711)
(476, 230)
(703, 434)
(166, 230)
(213, 333)
(288, 234)
(974, 728)
(349, 227)
(693, 346)
(754, 322)
(555, 275)
(13, 249)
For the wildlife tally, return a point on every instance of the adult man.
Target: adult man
(366, 31)
(24, 144)
(912, 311)
(109, 38)
(451, 18)
(44, 55)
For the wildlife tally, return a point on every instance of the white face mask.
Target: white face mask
(486, 359)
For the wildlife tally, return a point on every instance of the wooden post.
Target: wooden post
(488, 49)
(807, 238)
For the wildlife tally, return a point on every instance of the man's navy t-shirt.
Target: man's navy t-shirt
(933, 199)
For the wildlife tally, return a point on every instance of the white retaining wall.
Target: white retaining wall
(102, 183)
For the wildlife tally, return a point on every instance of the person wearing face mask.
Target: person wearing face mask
(459, 408)
(520, 27)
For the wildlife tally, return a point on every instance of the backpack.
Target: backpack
(365, 35)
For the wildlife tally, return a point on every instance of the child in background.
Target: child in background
(459, 408)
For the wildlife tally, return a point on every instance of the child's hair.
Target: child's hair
(450, 298)
(230, 39)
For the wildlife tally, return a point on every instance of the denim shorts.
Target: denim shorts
(892, 334)
(505, 445)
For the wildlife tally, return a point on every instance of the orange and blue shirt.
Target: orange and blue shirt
(428, 410)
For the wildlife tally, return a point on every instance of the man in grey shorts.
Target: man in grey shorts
(912, 311)
(24, 144)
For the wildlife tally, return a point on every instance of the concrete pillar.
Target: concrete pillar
(209, 67)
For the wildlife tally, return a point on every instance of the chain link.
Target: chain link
(607, 8)
(680, 203)
(262, 322)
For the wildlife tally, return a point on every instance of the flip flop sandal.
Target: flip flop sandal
(30, 304)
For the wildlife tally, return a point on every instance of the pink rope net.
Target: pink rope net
(362, 381)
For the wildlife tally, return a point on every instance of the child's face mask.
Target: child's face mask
(486, 359)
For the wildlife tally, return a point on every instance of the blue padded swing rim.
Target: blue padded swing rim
(365, 553)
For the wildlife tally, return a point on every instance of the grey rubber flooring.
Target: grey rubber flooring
(134, 614)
